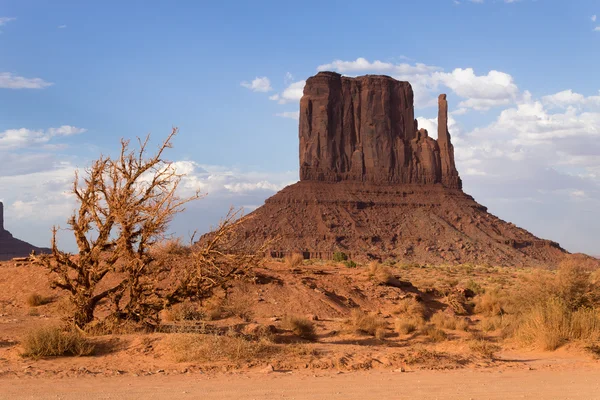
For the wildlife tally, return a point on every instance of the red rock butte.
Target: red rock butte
(374, 185)
(11, 247)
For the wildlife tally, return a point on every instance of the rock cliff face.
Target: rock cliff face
(373, 185)
(363, 129)
(11, 247)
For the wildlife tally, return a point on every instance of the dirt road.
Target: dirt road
(464, 384)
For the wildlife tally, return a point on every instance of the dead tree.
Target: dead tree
(124, 207)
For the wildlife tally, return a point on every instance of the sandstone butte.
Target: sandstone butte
(11, 247)
(375, 186)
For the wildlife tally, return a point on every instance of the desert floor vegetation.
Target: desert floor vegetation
(438, 317)
(54, 341)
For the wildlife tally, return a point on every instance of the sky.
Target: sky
(77, 76)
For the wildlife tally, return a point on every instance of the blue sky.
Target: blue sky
(76, 76)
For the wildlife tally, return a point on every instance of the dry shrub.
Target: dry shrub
(411, 307)
(446, 321)
(36, 299)
(213, 309)
(185, 311)
(189, 347)
(294, 260)
(52, 341)
(369, 324)
(302, 350)
(457, 303)
(489, 324)
(170, 247)
(408, 324)
(490, 303)
(484, 348)
(550, 324)
(380, 274)
(239, 304)
(434, 334)
(574, 284)
(301, 327)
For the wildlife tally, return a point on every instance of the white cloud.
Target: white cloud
(259, 84)
(5, 20)
(594, 17)
(362, 65)
(289, 114)
(482, 92)
(12, 139)
(597, 29)
(10, 81)
(293, 93)
(288, 78)
(62, 26)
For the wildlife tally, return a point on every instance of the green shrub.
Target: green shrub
(339, 256)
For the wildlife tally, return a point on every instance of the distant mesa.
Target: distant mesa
(374, 185)
(11, 247)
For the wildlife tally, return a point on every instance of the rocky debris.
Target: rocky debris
(375, 186)
(11, 247)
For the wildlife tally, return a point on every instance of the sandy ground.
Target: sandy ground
(464, 384)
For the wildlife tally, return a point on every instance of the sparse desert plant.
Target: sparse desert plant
(489, 324)
(300, 326)
(484, 348)
(550, 324)
(36, 299)
(369, 324)
(185, 311)
(339, 256)
(294, 260)
(213, 309)
(475, 287)
(446, 321)
(52, 341)
(380, 274)
(458, 303)
(490, 303)
(408, 324)
(239, 303)
(189, 347)
(434, 334)
(350, 264)
(411, 307)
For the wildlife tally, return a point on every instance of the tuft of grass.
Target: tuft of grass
(185, 311)
(369, 324)
(550, 324)
(301, 327)
(188, 347)
(484, 348)
(36, 299)
(52, 341)
(380, 274)
(411, 307)
(446, 321)
(339, 256)
(491, 303)
(434, 334)
(239, 304)
(408, 324)
(294, 260)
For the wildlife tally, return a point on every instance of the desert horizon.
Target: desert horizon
(310, 201)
